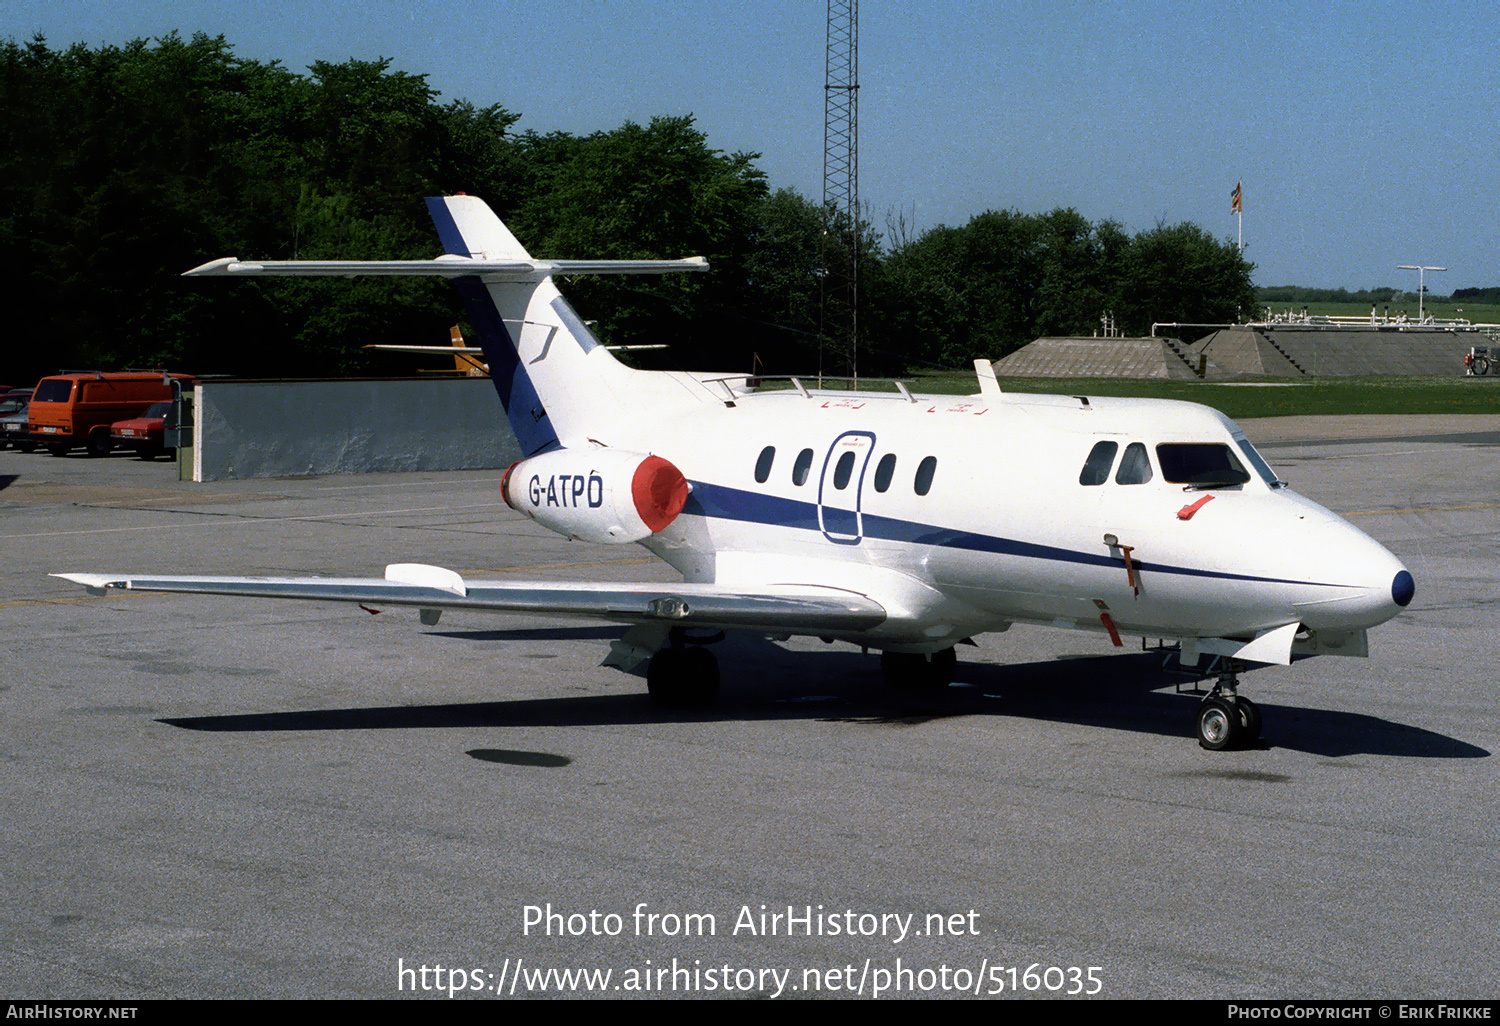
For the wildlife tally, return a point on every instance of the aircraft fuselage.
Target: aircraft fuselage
(994, 513)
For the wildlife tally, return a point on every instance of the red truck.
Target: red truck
(74, 409)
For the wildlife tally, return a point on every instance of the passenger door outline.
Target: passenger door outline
(840, 514)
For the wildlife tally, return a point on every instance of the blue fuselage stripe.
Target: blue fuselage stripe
(720, 502)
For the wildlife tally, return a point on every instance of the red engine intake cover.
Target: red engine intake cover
(659, 491)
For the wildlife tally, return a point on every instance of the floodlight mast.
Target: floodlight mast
(1421, 285)
(839, 313)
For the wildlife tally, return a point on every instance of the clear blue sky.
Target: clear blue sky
(1364, 132)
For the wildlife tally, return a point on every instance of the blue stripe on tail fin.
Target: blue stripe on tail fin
(518, 394)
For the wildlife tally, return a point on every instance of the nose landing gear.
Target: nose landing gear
(1224, 717)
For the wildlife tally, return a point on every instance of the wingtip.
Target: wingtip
(95, 584)
(220, 266)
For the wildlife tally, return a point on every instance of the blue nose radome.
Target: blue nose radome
(1403, 588)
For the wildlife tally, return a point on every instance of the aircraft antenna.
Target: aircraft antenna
(839, 314)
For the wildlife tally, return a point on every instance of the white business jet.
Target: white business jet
(894, 521)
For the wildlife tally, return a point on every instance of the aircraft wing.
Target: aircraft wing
(802, 609)
(448, 350)
(449, 266)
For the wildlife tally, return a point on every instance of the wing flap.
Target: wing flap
(795, 609)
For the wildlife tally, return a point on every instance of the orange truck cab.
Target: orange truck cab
(77, 409)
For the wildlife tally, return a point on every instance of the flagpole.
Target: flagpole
(1237, 201)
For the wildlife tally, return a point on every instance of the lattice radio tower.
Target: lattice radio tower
(840, 293)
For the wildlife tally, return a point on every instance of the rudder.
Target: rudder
(564, 372)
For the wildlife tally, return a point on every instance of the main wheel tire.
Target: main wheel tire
(1218, 723)
(1481, 366)
(1249, 719)
(99, 443)
(678, 678)
(943, 667)
(913, 671)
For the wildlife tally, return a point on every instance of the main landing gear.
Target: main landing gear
(684, 675)
(1225, 718)
(913, 671)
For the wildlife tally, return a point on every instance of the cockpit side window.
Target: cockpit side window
(1135, 466)
(1096, 467)
(1201, 464)
(1257, 461)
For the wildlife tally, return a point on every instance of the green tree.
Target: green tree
(779, 306)
(120, 167)
(1070, 296)
(925, 308)
(1007, 278)
(1180, 273)
(654, 191)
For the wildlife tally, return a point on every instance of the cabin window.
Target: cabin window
(1096, 467)
(801, 467)
(1201, 465)
(1135, 466)
(763, 465)
(884, 471)
(842, 470)
(925, 470)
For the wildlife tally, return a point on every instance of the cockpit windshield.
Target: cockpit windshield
(1200, 465)
(1257, 461)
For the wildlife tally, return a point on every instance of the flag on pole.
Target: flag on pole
(1235, 196)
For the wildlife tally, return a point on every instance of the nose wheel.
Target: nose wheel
(1225, 718)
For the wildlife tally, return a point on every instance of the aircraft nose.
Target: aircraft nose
(1365, 584)
(1403, 588)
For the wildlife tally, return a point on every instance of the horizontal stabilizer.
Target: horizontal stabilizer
(802, 609)
(448, 266)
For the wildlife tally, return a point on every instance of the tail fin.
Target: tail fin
(552, 375)
(536, 346)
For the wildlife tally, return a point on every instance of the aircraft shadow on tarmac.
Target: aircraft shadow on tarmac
(1124, 691)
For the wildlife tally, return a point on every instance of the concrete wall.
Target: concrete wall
(1084, 357)
(297, 428)
(1284, 350)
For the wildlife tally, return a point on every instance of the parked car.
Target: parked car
(78, 408)
(13, 420)
(146, 433)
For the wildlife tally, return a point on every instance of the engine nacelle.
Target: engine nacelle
(597, 495)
